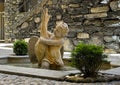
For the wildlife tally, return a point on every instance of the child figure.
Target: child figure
(48, 47)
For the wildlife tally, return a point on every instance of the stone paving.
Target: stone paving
(42, 73)
(8, 79)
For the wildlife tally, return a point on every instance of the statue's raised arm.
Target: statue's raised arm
(40, 48)
(44, 23)
(35, 49)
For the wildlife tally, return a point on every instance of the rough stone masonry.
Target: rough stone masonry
(90, 21)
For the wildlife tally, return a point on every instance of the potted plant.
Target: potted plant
(20, 47)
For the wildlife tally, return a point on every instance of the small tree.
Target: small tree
(88, 59)
(20, 47)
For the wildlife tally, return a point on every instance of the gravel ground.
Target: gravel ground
(7, 79)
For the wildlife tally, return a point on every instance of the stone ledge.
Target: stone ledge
(114, 59)
(2, 41)
(114, 71)
(40, 73)
(53, 74)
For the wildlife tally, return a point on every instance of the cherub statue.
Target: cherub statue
(48, 46)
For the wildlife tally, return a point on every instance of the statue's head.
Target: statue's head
(61, 30)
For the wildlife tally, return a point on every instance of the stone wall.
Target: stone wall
(90, 21)
(11, 10)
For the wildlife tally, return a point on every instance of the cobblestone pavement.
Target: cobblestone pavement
(7, 79)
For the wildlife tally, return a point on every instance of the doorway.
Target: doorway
(2, 30)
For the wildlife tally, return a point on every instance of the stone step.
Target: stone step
(114, 71)
(114, 59)
(2, 41)
(34, 72)
(67, 55)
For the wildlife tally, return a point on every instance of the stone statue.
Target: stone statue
(48, 46)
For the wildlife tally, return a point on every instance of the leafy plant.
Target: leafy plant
(20, 47)
(88, 59)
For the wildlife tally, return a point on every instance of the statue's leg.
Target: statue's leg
(59, 63)
(62, 51)
(45, 64)
(40, 50)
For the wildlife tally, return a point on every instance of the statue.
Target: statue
(48, 46)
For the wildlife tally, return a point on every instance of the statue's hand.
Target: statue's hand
(45, 16)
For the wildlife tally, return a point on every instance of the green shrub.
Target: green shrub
(88, 59)
(20, 47)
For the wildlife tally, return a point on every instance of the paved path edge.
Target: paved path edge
(33, 72)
